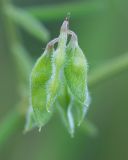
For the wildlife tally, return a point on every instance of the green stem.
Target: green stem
(14, 40)
(10, 29)
(14, 118)
(56, 12)
(9, 125)
(108, 70)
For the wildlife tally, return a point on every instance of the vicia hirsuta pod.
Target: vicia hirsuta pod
(59, 80)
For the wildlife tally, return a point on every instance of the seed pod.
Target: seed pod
(79, 110)
(30, 120)
(64, 105)
(52, 88)
(76, 71)
(76, 76)
(41, 73)
(59, 78)
(57, 65)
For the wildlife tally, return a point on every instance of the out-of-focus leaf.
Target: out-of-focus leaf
(28, 22)
(23, 61)
(88, 128)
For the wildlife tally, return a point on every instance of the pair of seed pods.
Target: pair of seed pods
(59, 82)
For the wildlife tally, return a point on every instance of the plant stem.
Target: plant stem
(56, 12)
(9, 125)
(14, 118)
(108, 70)
(10, 29)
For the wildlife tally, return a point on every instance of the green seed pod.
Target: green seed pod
(59, 78)
(64, 105)
(57, 66)
(76, 71)
(41, 73)
(70, 117)
(30, 120)
(52, 88)
(79, 110)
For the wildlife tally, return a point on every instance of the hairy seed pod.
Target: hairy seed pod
(41, 73)
(64, 105)
(79, 110)
(76, 71)
(59, 78)
(30, 120)
(57, 65)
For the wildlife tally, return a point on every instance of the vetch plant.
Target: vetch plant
(59, 81)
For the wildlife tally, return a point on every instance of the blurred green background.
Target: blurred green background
(103, 35)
